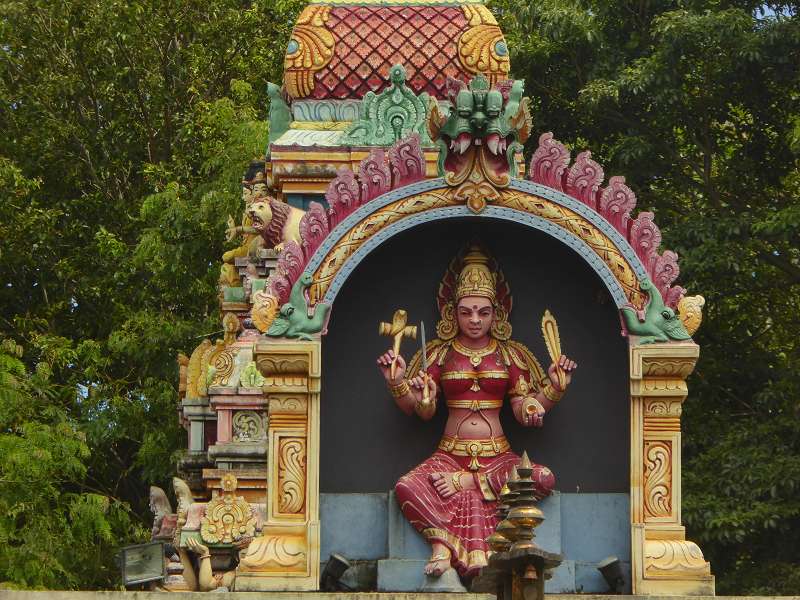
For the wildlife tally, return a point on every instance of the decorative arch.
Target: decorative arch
(528, 203)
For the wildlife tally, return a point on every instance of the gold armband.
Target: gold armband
(552, 393)
(457, 481)
(400, 390)
(521, 388)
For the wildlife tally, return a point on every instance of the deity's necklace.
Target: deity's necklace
(475, 356)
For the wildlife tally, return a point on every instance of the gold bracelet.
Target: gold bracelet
(202, 556)
(400, 390)
(457, 481)
(552, 393)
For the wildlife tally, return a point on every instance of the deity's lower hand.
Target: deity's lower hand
(418, 383)
(566, 365)
(385, 363)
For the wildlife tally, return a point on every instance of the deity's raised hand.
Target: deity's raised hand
(385, 362)
(567, 366)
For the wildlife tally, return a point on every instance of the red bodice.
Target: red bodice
(460, 379)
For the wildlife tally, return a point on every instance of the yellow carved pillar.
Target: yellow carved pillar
(285, 557)
(663, 561)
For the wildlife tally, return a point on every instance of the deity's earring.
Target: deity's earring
(501, 328)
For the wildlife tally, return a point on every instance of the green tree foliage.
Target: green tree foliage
(46, 507)
(126, 129)
(697, 103)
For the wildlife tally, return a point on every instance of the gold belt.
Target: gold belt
(475, 405)
(475, 375)
(474, 448)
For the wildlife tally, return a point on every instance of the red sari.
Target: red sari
(463, 521)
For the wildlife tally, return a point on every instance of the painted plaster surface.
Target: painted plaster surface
(354, 525)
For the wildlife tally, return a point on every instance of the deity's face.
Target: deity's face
(475, 315)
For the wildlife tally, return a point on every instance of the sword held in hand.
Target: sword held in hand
(426, 393)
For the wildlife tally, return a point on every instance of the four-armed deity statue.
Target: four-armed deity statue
(473, 366)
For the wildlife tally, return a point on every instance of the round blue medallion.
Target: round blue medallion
(501, 48)
(292, 47)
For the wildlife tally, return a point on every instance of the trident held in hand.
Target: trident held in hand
(397, 329)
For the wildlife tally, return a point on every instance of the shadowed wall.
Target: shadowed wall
(368, 443)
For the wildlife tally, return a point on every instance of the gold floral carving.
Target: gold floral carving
(313, 49)
(275, 552)
(657, 478)
(477, 189)
(264, 311)
(671, 558)
(228, 518)
(292, 475)
(477, 46)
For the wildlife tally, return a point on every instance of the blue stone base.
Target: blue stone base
(583, 528)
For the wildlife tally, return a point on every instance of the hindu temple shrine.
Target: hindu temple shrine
(454, 354)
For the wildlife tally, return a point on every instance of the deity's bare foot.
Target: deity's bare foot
(439, 561)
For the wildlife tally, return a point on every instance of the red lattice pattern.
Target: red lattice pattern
(371, 39)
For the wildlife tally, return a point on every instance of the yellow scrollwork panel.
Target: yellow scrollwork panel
(657, 479)
(310, 49)
(291, 475)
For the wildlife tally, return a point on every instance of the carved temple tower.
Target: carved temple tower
(391, 114)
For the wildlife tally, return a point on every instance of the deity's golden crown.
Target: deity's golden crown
(476, 279)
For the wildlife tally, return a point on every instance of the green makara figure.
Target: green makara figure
(661, 323)
(293, 320)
